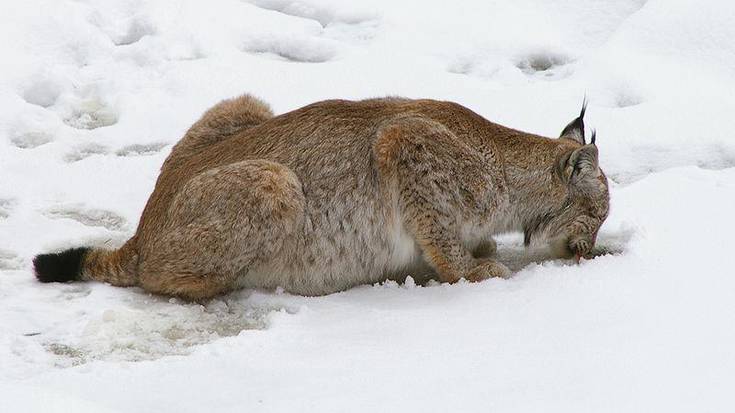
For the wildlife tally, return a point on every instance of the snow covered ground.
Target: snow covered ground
(94, 93)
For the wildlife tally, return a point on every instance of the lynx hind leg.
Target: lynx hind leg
(221, 122)
(222, 221)
(425, 162)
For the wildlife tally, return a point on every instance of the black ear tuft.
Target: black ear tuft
(575, 129)
(61, 266)
(584, 107)
(594, 136)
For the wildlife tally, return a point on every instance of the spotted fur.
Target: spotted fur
(342, 193)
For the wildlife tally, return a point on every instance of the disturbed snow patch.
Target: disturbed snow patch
(43, 91)
(293, 49)
(10, 260)
(646, 159)
(84, 151)
(156, 329)
(33, 129)
(513, 254)
(719, 157)
(141, 149)
(86, 108)
(323, 15)
(91, 114)
(137, 29)
(628, 97)
(544, 64)
(330, 30)
(6, 205)
(89, 217)
(517, 68)
(31, 139)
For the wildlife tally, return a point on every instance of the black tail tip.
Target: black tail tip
(61, 266)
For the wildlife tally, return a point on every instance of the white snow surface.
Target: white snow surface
(93, 94)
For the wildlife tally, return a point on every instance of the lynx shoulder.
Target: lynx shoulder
(341, 193)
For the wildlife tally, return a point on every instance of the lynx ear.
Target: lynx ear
(580, 166)
(575, 129)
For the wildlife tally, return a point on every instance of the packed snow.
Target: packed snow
(93, 94)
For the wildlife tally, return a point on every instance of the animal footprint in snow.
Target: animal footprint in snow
(545, 64)
(10, 260)
(89, 217)
(85, 151)
(6, 206)
(31, 139)
(43, 92)
(90, 114)
(33, 128)
(141, 149)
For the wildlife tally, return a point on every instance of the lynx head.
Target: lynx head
(572, 228)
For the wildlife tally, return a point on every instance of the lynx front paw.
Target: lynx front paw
(488, 269)
(575, 246)
(580, 246)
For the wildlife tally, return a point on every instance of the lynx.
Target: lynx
(341, 193)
